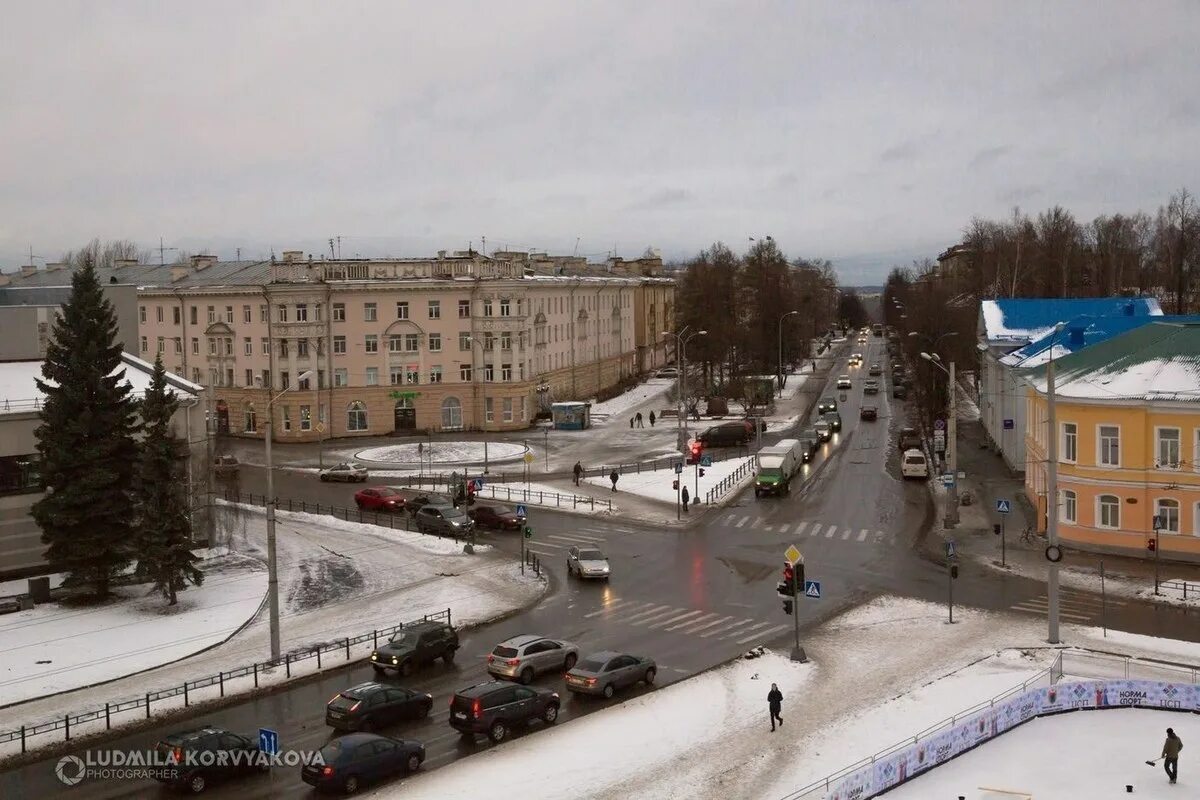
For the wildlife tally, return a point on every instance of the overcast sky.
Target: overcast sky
(867, 133)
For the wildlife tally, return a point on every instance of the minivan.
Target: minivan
(725, 435)
(914, 465)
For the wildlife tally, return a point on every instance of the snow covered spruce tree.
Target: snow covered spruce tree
(86, 442)
(164, 529)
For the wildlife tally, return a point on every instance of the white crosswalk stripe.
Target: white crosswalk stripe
(693, 622)
(623, 605)
(727, 628)
(543, 543)
(814, 531)
(573, 539)
(745, 631)
(643, 612)
(744, 521)
(674, 619)
(862, 535)
(670, 612)
(784, 528)
(800, 528)
(832, 530)
(846, 535)
(711, 624)
(763, 636)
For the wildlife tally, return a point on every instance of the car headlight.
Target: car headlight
(374, 656)
(395, 660)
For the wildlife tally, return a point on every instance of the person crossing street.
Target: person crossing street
(775, 704)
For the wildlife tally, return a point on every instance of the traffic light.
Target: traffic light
(1150, 545)
(787, 606)
(675, 485)
(702, 472)
(696, 450)
(996, 529)
(954, 571)
(789, 579)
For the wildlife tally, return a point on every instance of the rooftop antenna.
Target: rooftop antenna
(339, 250)
(575, 252)
(32, 256)
(485, 245)
(162, 257)
(239, 254)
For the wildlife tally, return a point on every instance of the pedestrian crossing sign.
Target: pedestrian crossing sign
(522, 512)
(812, 589)
(1003, 506)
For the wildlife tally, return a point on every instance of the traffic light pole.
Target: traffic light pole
(797, 650)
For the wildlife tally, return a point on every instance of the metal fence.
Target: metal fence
(1183, 587)
(730, 482)
(515, 494)
(188, 688)
(384, 519)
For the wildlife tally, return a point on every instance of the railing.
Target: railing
(731, 481)
(188, 688)
(385, 519)
(1182, 586)
(518, 495)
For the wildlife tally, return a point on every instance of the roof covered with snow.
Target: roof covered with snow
(1079, 333)
(1159, 361)
(1019, 321)
(19, 392)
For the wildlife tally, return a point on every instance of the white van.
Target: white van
(914, 464)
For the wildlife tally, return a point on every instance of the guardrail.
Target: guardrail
(730, 481)
(384, 519)
(188, 688)
(1182, 586)
(518, 495)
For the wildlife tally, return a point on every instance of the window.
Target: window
(504, 307)
(283, 348)
(250, 378)
(489, 372)
(464, 340)
(1168, 449)
(250, 420)
(227, 341)
(1069, 506)
(395, 342)
(412, 374)
(262, 313)
(487, 308)
(266, 379)
(340, 377)
(411, 342)
(195, 374)
(321, 381)
(339, 345)
(372, 376)
(229, 376)
(506, 341)
(229, 315)
(339, 312)
(145, 345)
(1108, 514)
(317, 312)
(1109, 452)
(248, 346)
(356, 416)
(489, 410)
(142, 314)
(524, 412)
(1070, 442)
(212, 346)
(285, 380)
(372, 343)
(162, 348)
(464, 373)
(451, 413)
(195, 346)
(435, 342)
(396, 375)
(281, 313)
(287, 418)
(212, 314)
(302, 316)
(266, 346)
(192, 314)
(306, 418)
(435, 309)
(435, 374)
(246, 315)
(370, 313)
(176, 315)
(506, 372)
(507, 409)
(1167, 511)
(464, 309)
(178, 346)
(489, 342)
(302, 348)
(303, 384)
(402, 309)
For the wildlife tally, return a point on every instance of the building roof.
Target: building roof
(1078, 333)
(19, 392)
(1019, 321)
(1159, 361)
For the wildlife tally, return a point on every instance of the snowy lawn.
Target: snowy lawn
(442, 453)
(54, 648)
(21, 585)
(613, 409)
(657, 485)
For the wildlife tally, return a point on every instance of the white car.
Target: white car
(587, 562)
(843, 382)
(856, 359)
(914, 464)
(346, 471)
(667, 372)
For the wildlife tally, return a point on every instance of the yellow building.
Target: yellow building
(1128, 418)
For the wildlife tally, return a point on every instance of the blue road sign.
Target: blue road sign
(812, 589)
(678, 467)
(477, 484)
(268, 741)
(706, 460)
(1009, 425)
(950, 551)
(1003, 506)
(948, 479)
(522, 511)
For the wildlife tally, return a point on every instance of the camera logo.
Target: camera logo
(70, 770)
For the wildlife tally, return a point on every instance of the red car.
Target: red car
(379, 498)
(501, 518)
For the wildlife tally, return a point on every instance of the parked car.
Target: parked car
(225, 466)
(897, 368)
(843, 382)
(909, 439)
(875, 369)
(241, 758)
(587, 562)
(834, 419)
(868, 412)
(379, 498)
(350, 762)
(415, 504)
(756, 425)
(899, 390)
(914, 464)
(826, 404)
(810, 443)
(605, 672)
(493, 708)
(370, 706)
(525, 656)
(496, 517)
(444, 520)
(870, 387)
(667, 372)
(824, 430)
(415, 646)
(346, 471)
(726, 434)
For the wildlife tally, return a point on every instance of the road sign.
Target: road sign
(268, 741)
(320, 427)
(812, 589)
(528, 458)
(678, 467)
(522, 512)
(706, 460)
(948, 480)
(792, 554)
(1159, 523)
(1009, 425)
(477, 484)
(528, 532)
(1003, 506)
(950, 551)
(939, 424)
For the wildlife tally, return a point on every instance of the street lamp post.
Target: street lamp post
(952, 429)
(681, 382)
(475, 376)
(272, 565)
(781, 319)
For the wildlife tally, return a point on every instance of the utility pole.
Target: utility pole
(162, 252)
(1052, 505)
(952, 455)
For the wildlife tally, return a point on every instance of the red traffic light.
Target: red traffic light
(789, 573)
(697, 449)
(1150, 546)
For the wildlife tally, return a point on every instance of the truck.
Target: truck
(777, 465)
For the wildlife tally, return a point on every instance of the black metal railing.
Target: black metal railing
(730, 481)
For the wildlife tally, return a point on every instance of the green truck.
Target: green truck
(777, 465)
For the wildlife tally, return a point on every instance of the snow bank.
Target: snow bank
(611, 410)
(442, 453)
(657, 485)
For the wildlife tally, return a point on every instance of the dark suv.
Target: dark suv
(416, 645)
(369, 706)
(501, 518)
(227, 755)
(725, 435)
(494, 708)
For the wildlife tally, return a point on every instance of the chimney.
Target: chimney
(121, 262)
(203, 261)
(55, 266)
(291, 256)
(179, 273)
(28, 270)
(1075, 337)
(441, 254)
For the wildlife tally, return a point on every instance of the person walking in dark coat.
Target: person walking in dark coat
(612, 476)
(578, 470)
(639, 420)
(651, 419)
(631, 419)
(1170, 751)
(685, 496)
(775, 703)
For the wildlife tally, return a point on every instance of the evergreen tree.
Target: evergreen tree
(164, 529)
(86, 441)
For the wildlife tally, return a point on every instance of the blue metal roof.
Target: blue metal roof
(1083, 331)
(1022, 320)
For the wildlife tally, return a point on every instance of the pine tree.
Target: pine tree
(164, 529)
(86, 441)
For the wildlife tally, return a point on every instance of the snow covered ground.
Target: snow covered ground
(613, 410)
(54, 648)
(657, 485)
(442, 453)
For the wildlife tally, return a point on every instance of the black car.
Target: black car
(868, 412)
(826, 404)
(415, 504)
(725, 435)
(834, 419)
(235, 755)
(496, 517)
(493, 708)
(416, 645)
(899, 390)
(369, 706)
(354, 760)
(811, 442)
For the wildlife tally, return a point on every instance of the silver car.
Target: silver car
(587, 562)
(346, 471)
(604, 672)
(523, 657)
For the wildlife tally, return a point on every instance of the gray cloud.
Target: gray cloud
(989, 155)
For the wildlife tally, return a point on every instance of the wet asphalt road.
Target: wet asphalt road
(690, 599)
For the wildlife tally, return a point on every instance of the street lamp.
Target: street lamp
(475, 376)
(681, 380)
(272, 566)
(781, 319)
(951, 424)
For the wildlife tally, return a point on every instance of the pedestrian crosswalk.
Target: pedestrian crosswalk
(1072, 606)
(808, 529)
(557, 544)
(710, 625)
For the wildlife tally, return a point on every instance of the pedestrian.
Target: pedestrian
(639, 420)
(685, 496)
(775, 704)
(631, 419)
(578, 470)
(612, 476)
(1170, 752)
(651, 419)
